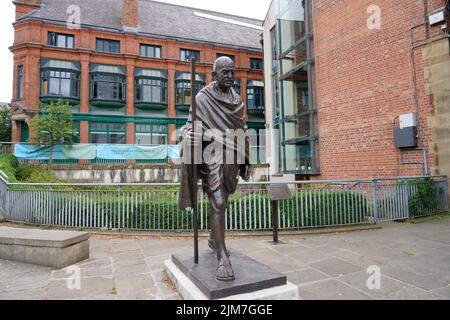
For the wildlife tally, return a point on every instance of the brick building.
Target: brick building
(123, 65)
(343, 74)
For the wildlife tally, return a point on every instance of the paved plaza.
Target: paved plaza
(414, 259)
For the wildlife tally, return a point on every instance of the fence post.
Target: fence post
(375, 201)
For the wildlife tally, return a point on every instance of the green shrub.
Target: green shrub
(160, 213)
(8, 164)
(425, 198)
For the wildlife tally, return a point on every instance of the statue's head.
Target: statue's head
(223, 72)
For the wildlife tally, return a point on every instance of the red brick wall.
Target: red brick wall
(30, 45)
(364, 80)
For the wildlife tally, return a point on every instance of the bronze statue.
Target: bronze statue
(220, 110)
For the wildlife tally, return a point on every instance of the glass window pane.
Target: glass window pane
(143, 139)
(105, 90)
(54, 86)
(99, 138)
(291, 17)
(117, 138)
(70, 42)
(65, 87)
(75, 88)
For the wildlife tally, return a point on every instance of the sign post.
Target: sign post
(277, 192)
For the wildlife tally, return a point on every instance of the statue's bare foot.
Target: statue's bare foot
(225, 272)
(212, 246)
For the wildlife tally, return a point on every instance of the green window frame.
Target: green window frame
(151, 90)
(60, 83)
(147, 134)
(183, 92)
(107, 133)
(108, 87)
(107, 45)
(186, 55)
(61, 40)
(151, 51)
(20, 82)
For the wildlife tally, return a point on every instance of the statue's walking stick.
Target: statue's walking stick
(194, 164)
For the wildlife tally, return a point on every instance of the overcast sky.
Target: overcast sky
(247, 8)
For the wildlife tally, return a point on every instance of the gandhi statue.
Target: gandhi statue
(219, 110)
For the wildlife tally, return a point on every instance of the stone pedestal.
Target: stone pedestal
(56, 249)
(254, 281)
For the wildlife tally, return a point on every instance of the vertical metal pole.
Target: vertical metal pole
(275, 221)
(375, 201)
(194, 165)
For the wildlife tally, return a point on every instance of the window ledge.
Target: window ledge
(150, 106)
(107, 103)
(69, 100)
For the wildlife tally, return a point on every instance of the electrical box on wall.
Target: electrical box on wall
(405, 138)
(406, 135)
(408, 120)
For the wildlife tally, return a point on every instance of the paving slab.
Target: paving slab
(413, 259)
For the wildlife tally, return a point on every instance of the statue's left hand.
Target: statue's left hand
(245, 172)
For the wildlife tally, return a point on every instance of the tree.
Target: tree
(5, 125)
(54, 126)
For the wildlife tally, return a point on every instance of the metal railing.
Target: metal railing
(6, 147)
(154, 207)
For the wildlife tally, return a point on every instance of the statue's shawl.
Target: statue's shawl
(220, 113)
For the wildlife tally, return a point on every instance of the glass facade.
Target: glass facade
(294, 89)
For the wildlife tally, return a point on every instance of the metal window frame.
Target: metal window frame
(148, 46)
(72, 82)
(108, 131)
(152, 131)
(104, 41)
(66, 37)
(164, 96)
(117, 76)
(188, 53)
